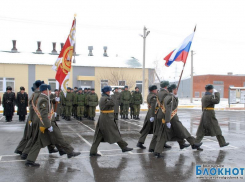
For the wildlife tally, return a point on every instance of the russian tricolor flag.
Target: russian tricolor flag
(181, 53)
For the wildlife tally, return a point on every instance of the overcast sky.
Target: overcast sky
(219, 41)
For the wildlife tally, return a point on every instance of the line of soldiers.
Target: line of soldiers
(78, 103)
(9, 102)
(127, 100)
(41, 130)
(163, 122)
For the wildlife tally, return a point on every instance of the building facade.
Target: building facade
(19, 69)
(220, 82)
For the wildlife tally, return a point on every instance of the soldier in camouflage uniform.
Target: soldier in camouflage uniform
(75, 107)
(137, 100)
(131, 106)
(116, 99)
(68, 100)
(126, 100)
(85, 107)
(92, 101)
(121, 104)
(80, 102)
(86, 103)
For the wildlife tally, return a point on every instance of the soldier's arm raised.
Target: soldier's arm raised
(216, 99)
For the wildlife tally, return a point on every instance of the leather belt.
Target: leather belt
(107, 111)
(209, 108)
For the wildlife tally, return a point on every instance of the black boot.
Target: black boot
(73, 154)
(31, 164)
(24, 156)
(126, 116)
(138, 117)
(184, 146)
(62, 152)
(226, 144)
(68, 118)
(158, 155)
(140, 145)
(18, 152)
(53, 151)
(123, 116)
(127, 149)
(196, 145)
(94, 155)
(151, 150)
(167, 146)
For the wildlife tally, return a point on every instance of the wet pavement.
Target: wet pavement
(113, 165)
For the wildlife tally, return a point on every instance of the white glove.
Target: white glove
(151, 119)
(215, 90)
(168, 125)
(30, 123)
(55, 114)
(57, 99)
(50, 129)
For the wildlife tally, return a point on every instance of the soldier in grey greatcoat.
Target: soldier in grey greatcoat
(209, 125)
(106, 128)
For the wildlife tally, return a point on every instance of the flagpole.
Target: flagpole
(184, 66)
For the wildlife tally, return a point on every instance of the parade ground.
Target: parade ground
(113, 165)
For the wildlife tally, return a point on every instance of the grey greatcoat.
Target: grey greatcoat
(116, 99)
(209, 125)
(106, 123)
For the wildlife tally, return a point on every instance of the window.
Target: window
(10, 82)
(218, 83)
(203, 93)
(1, 84)
(52, 83)
(197, 94)
(121, 83)
(139, 84)
(103, 83)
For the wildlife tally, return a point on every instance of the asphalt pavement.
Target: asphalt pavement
(113, 165)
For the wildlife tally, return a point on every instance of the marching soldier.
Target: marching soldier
(22, 104)
(92, 101)
(48, 130)
(106, 128)
(80, 102)
(116, 99)
(68, 100)
(72, 110)
(209, 125)
(121, 104)
(150, 116)
(160, 114)
(57, 104)
(86, 103)
(173, 128)
(137, 100)
(8, 104)
(126, 100)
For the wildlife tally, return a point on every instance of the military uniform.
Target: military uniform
(48, 131)
(106, 128)
(68, 100)
(22, 104)
(121, 104)
(148, 125)
(126, 100)
(92, 101)
(80, 102)
(62, 104)
(86, 104)
(136, 101)
(177, 132)
(116, 99)
(209, 125)
(8, 104)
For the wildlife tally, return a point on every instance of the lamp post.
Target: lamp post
(145, 34)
